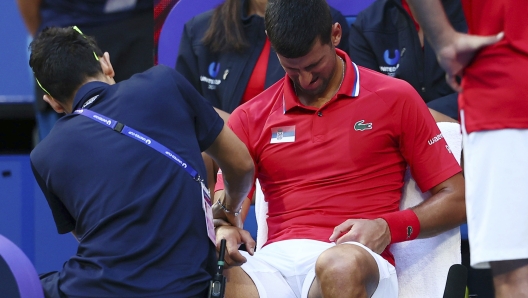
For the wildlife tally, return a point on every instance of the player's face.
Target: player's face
(311, 74)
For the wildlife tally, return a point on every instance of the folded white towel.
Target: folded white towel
(261, 213)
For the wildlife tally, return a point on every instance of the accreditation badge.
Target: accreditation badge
(207, 207)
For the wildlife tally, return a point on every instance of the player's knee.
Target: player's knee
(340, 261)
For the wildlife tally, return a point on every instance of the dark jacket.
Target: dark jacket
(93, 13)
(384, 38)
(222, 77)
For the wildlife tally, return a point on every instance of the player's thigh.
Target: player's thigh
(239, 284)
(257, 278)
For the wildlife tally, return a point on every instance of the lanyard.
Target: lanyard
(136, 135)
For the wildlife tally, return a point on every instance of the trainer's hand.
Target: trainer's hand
(459, 52)
(220, 222)
(219, 213)
(234, 238)
(373, 233)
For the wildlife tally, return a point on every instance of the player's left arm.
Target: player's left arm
(445, 209)
(432, 166)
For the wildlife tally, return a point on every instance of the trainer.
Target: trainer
(122, 171)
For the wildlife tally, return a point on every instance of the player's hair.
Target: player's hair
(293, 26)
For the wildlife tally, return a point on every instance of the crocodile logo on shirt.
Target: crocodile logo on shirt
(361, 126)
(409, 232)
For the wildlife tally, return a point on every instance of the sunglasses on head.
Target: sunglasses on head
(95, 55)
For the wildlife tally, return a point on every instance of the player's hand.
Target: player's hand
(234, 238)
(459, 52)
(373, 233)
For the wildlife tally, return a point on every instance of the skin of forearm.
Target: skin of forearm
(232, 156)
(30, 11)
(443, 211)
(431, 16)
(237, 189)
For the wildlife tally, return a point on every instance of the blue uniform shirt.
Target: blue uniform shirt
(137, 214)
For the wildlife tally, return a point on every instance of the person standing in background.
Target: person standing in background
(125, 29)
(386, 38)
(492, 61)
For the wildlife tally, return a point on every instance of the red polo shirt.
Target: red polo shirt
(320, 167)
(495, 92)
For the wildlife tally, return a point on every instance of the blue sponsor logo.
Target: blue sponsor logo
(387, 58)
(214, 68)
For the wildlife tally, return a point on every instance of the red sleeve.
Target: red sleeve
(422, 143)
(219, 181)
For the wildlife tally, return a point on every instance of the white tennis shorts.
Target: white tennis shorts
(287, 269)
(496, 172)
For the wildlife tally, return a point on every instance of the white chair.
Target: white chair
(422, 264)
